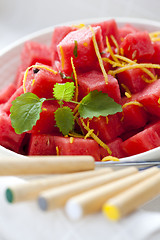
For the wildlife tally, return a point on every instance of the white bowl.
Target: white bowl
(95, 225)
(10, 60)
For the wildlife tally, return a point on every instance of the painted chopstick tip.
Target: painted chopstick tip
(111, 212)
(73, 210)
(9, 195)
(42, 203)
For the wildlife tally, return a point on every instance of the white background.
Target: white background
(21, 17)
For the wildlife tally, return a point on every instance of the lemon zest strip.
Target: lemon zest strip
(97, 139)
(62, 57)
(36, 66)
(75, 77)
(98, 55)
(109, 158)
(132, 103)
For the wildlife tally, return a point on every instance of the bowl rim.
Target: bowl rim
(49, 30)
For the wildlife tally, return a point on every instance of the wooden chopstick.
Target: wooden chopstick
(128, 201)
(57, 197)
(45, 165)
(30, 190)
(92, 201)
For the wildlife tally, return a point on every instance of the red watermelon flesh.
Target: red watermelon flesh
(42, 144)
(115, 147)
(125, 30)
(8, 138)
(46, 123)
(109, 27)
(35, 52)
(79, 146)
(7, 92)
(6, 107)
(107, 129)
(134, 117)
(149, 97)
(138, 46)
(58, 34)
(156, 55)
(86, 58)
(141, 142)
(133, 79)
(93, 80)
(43, 83)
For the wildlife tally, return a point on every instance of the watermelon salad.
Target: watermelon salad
(94, 91)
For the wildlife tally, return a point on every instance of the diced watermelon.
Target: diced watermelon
(138, 46)
(107, 129)
(149, 97)
(7, 92)
(133, 79)
(8, 138)
(80, 43)
(125, 30)
(156, 55)
(79, 146)
(42, 83)
(58, 34)
(134, 117)
(116, 149)
(141, 142)
(42, 144)
(35, 52)
(6, 107)
(46, 123)
(93, 80)
(109, 27)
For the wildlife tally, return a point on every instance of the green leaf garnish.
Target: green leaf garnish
(64, 120)
(64, 91)
(75, 53)
(97, 104)
(25, 111)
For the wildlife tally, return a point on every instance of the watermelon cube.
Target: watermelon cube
(134, 117)
(109, 27)
(8, 138)
(116, 149)
(46, 123)
(133, 79)
(7, 92)
(42, 144)
(35, 52)
(94, 80)
(58, 34)
(138, 46)
(141, 142)
(106, 128)
(125, 30)
(149, 97)
(6, 107)
(79, 45)
(77, 146)
(42, 83)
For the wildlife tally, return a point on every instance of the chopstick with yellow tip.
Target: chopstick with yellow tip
(131, 199)
(93, 200)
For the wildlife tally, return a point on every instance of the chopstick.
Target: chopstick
(57, 197)
(60, 164)
(45, 165)
(92, 201)
(30, 190)
(134, 197)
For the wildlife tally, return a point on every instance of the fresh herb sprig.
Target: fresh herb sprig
(26, 109)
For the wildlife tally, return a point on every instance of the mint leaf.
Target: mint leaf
(97, 104)
(25, 111)
(64, 91)
(64, 119)
(75, 53)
